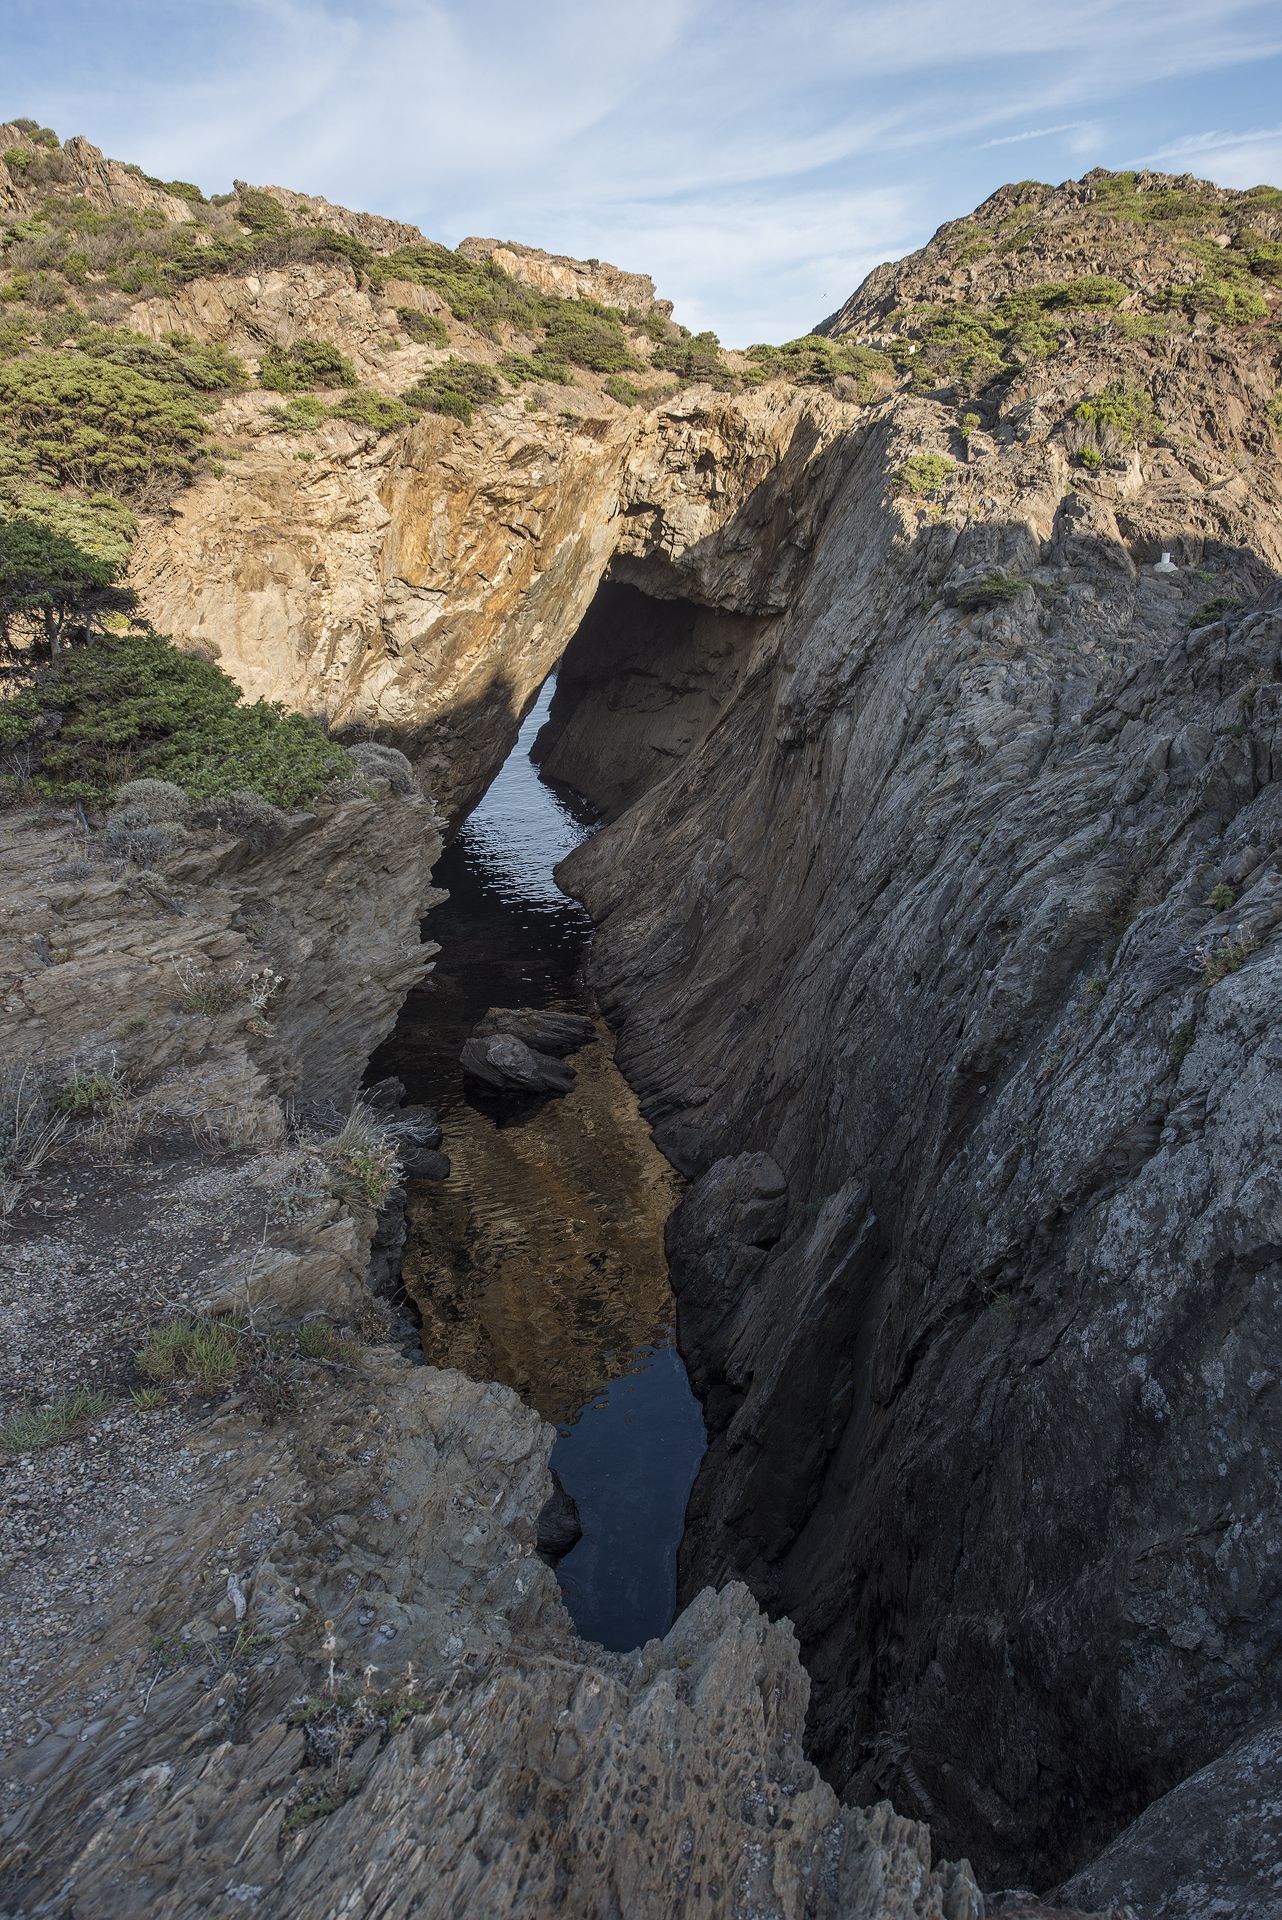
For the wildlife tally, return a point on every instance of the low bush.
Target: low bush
(455, 387)
(624, 391)
(133, 705)
(243, 813)
(383, 412)
(585, 335)
(1121, 413)
(425, 329)
(923, 474)
(149, 800)
(306, 365)
(98, 426)
(301, 413)
(815, 360)
(381, 762)
(996, 589)
(694, 357)
(520, 368)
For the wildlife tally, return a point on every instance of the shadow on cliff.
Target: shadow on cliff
(919, 922)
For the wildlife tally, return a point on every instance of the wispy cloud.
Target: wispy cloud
(756, 159)
(1034, 133)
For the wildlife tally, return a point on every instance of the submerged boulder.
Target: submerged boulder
(505, 1063)
(541, 1030)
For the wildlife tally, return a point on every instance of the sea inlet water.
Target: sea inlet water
(539, 1261)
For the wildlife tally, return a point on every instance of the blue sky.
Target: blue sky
(757, 159)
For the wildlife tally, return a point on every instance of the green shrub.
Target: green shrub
(1225, 301)
(307, 364)
(1091, 458)
(455, 387)
(261, 212)
(585, 335)
(185, 190)
(815, 360)
(96, 425)
(301, 413)
(521, 368)
(50, 580)
(995, 589)
(694, 357)
(134, 706)
(1121, 409)
(425, 329)
(624, 391)
(179, 361)
(923, 474)
(366, 408)
(1212, 610)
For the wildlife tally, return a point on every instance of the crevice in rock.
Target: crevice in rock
(639, 685)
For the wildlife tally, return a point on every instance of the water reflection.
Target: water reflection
(539, 1262)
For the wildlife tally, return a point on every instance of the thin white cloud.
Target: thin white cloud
(756, 159)
(1034, 133)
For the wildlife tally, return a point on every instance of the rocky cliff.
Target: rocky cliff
(945, 965)
(274, 1631)
(937, 917)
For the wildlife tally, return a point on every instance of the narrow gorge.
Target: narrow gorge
(898, 710)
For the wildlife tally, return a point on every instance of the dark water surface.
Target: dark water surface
(539, 1262)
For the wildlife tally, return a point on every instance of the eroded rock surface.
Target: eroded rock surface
(963, 911)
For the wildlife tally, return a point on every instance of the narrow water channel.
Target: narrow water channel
(539, 1261)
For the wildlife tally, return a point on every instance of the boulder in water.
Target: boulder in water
(541, 1030)
(505, 1063)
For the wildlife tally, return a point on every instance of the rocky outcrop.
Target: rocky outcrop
(541, 1028)
(641, 681)
(572, 279)
(425, 584)
(283, 1639)
(964, 915)
(1213, 1842)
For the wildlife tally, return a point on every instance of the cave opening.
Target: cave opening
(639, 684)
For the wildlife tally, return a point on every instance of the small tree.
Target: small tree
(49, 580)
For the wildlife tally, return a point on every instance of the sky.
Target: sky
(756, 159)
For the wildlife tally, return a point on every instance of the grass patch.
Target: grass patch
(317, 1340)
(31, 1428)
(206, 1352)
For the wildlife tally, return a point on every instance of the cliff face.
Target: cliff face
(279, 1635)
(424, 587)
(937, 921)
(946, 964)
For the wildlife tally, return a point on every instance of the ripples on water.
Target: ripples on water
(539, 1262)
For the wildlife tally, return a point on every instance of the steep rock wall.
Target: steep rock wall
(927, 920)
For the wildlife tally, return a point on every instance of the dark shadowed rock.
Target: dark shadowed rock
(558, 1527)
(425, 1163)
(543, 1032)
(509, 1066)
(1212, 1846)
